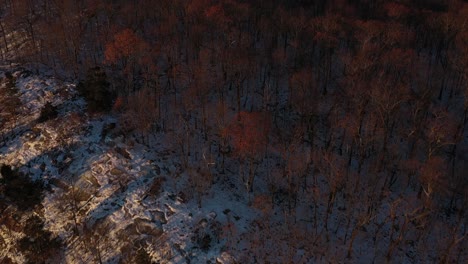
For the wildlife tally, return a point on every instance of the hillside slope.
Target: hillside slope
(105, 197)
(78, 183)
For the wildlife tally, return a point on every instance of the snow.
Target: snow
(115, 189)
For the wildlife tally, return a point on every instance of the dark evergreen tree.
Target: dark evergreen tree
(96, 90)
(38, 245)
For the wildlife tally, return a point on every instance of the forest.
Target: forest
(341, 123)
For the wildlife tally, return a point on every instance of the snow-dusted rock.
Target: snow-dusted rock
(158, 216)
(116, 172)
(225, 258)
(146, 227)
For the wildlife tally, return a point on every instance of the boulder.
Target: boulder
(90, 178)
(158, 216)
(225, 258)
(169, 210)
(116, 172)
(147, 227)
(59, 183)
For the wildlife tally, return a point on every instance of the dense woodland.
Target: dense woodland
(351, 108)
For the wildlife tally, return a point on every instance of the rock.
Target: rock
(212, 215)
(89, 177)
(123, 152)
(45, 133)
(169, 210)
(181, 197)
(59, 183)
(156, 187)
(225, 258)
(116, 172)
(159, 216)
(144, 226)
(202, 223)
(128, 232)
(157, 169)
(98, 170)
(29, 135)
(37, 147)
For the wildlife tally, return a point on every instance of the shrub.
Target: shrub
(20, 189)
(10, 83)
(142, 257)
(6, 172)
(48, 112)
(206, 233)
(8, 75)
(38, 245)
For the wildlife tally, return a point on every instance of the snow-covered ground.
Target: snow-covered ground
(126, 194)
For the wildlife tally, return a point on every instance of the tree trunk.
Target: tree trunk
(4, 33)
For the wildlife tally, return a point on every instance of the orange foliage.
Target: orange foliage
(126, 44)
(195, 7)
(214, 12)
(396, 10)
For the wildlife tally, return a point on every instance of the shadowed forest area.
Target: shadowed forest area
(343, 120)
